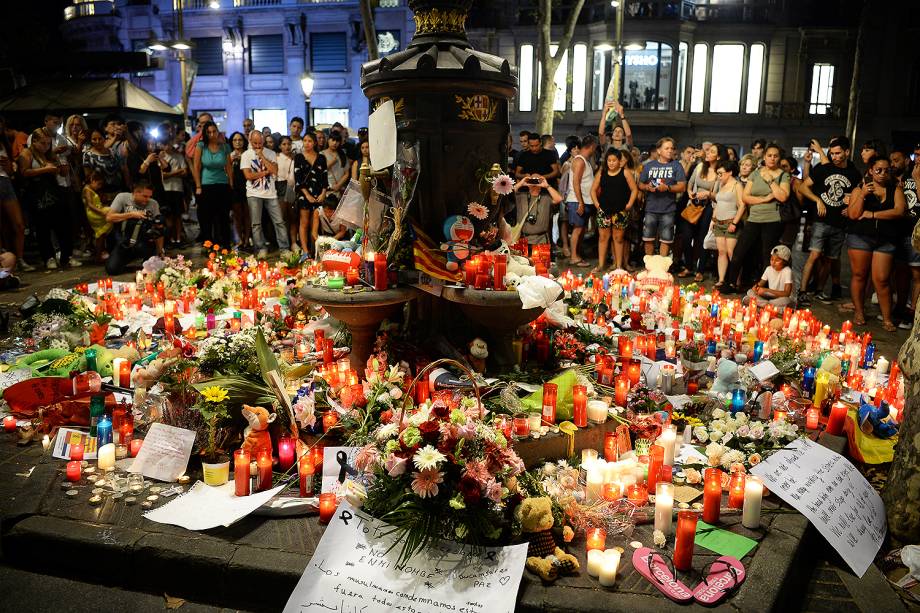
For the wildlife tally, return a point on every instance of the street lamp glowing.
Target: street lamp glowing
(603, 47)
(214, 4)
(306, 84)
(181, 45)
(634, 46)
(156, 46)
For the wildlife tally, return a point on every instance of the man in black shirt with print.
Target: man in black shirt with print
(537, 160)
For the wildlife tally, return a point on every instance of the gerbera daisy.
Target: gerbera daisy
(477, 210)
(425, 483)
(503, 184)
(428, 458)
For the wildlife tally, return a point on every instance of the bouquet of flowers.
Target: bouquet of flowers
(734, 441)
(444, 474)
(233, 354)
(175, 273)
(216, 293)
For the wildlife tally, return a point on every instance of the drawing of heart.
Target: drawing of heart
(504, 580)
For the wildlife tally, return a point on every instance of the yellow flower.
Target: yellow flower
(214, 394)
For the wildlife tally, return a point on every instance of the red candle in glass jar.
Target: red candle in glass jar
(351, 276)
(499, 268)
(306, 470)
(712, 495)
(837, 419)
(521, 425)
(625, 347)
(327, 506)
(736, 491)
(692, 386)
(637, 494)
(503, 423)
(683, 542)
(665, 473)
(779, 415)
(317, 455)
(634, 371)
(76, 451)
(655, 462)
(74, 469)
(265, 470)
(596, 538)
(381, 282)
(622, 389)
(330, 419)
(612, 491)
(285, 453)
(549, 404)
(135, 446)
(241, 472)
(471, 269)
(422, 393)
(812, 417)
(580, 405)
(610, 446)
(328, 352)
(9, 424)
(651, 347)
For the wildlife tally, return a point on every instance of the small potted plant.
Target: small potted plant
(214, 462)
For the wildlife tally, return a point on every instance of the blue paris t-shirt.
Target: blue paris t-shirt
(669, 174)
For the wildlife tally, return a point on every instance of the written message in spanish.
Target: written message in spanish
(351, 572)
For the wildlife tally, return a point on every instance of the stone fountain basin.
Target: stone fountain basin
(495, 310)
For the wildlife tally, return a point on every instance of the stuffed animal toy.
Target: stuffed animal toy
(726, 376)
(512, 280)
(656, 271)
(550, 567)
(876, 420)
(477, 354)
(459, 231)
(519, 265)
(256, 435)
(536, 518)
(60, 363)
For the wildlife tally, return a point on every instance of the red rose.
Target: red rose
(469, 487)
(430, 430)
(440, 410)
(385, 416)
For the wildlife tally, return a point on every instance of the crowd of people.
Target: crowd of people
(736, 217)
(118, 193)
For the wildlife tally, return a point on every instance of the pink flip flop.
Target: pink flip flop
(659, 570)
(724, 576)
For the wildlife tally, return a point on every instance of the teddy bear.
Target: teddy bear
(550, 567)
(256, 435)
(536, 518)
(477, 354)
(726, 376)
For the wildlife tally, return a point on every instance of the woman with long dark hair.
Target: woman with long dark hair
(702, 188)
(97, 157)
(10, 209)
(614, 192)
(213, 171)
(311, 182)
(49, 211)
(238, 145)
(876, 211)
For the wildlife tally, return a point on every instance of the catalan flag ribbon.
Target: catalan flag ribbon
(429, 258)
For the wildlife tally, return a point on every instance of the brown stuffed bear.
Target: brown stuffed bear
(536, 518)
(550, 567)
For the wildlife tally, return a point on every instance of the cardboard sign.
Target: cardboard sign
(352, 570)
(381, 132)
(828, 490)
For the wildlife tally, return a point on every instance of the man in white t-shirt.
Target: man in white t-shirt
(296, 135)
(775, 286)
(259, 167)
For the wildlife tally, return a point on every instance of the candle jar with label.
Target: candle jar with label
(548, 417)
(580, 405)
(306, 470)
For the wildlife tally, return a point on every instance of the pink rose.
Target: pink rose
(395, 465)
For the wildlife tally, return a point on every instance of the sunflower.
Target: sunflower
(215, 394)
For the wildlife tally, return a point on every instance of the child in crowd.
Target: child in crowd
(322, 220)
(775, 286)
(96, 213)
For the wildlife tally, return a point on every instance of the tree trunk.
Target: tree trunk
(902, 490)
(550, 61)
(370, 30)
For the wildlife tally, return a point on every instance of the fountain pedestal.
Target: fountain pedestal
(361, 312)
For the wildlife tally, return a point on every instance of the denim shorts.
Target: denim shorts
(658, 225)
(6, 189)
(576, 220)
(906, 252)
(827, 239)
(866, 242)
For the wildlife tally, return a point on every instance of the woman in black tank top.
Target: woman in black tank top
(614, 192)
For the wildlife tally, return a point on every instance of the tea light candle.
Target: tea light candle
(327, 506)
(753, 497)
(609, 566)
(596, 538)
(712, 495)
(837, 419)
(597, 411)
(9, 424)
(780, 415)
(588, 456)
(683, 542)
(664, 506)
(74, 468)
(637, 494)
(613, 490)
(285, 453)
(106, 455)
(595, 561)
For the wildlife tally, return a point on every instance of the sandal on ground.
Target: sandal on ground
(684, 274)
(579, 263)
(719, 284)
(721, 578)
(889, 326)
(859, 320)
(849, 306)
(597, 270)
(659, 570)
(566, 252)
(698, 277)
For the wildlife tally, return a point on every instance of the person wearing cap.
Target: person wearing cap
(775, 286)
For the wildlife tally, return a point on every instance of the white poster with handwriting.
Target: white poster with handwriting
(165, 452)
(351, 572)
(827, 489)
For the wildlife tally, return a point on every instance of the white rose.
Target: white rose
(701, 434)
(756, 432)
(718, 413)
(742, 418)
(743, 431)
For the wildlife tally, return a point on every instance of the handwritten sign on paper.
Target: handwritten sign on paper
(338, 465)
(828, 490)
(764, 370)
(164, 454)
(352, 571)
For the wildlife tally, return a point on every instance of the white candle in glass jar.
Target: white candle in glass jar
(753, 497)
(667, 440)
(881, 365)
(597, 411)
(107, 456)
(534, 420)
(116, 372)
(609, 566)
(664, 507)
(595, 561)
(594, 489)
(588, 456)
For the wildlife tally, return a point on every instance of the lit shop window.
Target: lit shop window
(559, 79)
(647, 77)
(525, 79)
(330, 116)
(600, 75)
(725, 83)
(822, 89)
(755, 78)
(698, 84)
(276, 119)
(682, 51)
(579, 76)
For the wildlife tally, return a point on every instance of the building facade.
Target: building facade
(247, 57)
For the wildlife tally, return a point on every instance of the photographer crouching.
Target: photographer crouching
(138, 228)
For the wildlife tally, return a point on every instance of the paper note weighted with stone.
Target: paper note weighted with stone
(351, 571)
(827, 489)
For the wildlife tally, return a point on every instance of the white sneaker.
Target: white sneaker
(51, 264)
(75, 263)
(262, 254)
